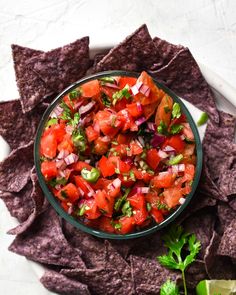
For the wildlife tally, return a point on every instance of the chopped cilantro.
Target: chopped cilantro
(117, 171)
(66, 114)
(74, 122)
(64, 194)
(107, 80)
(167, 109)
(176, 111)
(132, 176)
(74, 94)
(83, 209)
(53, 182)
(176, 128)
(79, 140)
(106, 100)
(117, 226)
(162, 128)
(161, 206)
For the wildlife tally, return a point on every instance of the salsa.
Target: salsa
(118, 153)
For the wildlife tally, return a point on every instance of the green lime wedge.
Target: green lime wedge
(216, 287)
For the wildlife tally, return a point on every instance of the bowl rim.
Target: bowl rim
(81, 226)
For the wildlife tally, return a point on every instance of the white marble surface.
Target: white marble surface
(207, 27)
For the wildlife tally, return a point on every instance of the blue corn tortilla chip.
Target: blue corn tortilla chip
(225, 215)
(99, 280)
(183, 76)
(62, 66)
(92, 249)
(137, 52)
(195, 273)
(202, 225)
(44, 242)
(20, 205)
(60, 284)
(40, 204)
(227, 246)
(166, 52)
(15, 169)
(232, 203)
(227, 179)
(148, 275)
(113, 258)
(16, 127)
(31, 87)
(217, 266)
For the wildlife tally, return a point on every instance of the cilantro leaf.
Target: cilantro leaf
(176, 111)
(162, 128)
(118, 95)
(176, 128)
(74, 94)
(106, 100)
(169, 288)
(75, 121)
(175, 240)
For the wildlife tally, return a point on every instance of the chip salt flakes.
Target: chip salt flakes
(31, 87)
(56, 282)
(15, 169)
(44, 242)
(137, 52)
(62, 66)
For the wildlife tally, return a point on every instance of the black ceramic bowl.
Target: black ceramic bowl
(56, 205)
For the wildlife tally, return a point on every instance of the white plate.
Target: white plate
(225, 100)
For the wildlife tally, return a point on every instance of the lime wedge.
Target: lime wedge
(216, 287)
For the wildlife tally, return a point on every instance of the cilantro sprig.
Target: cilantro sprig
(176, 240)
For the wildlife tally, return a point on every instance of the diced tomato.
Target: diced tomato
(126, 180)
(187, 131)
(104, 202)
(127, 225)
(176, 142)
(152, 158)
(172, 196)
(100, 146)
(157, 215)
(93, 211)
(137, 173)
(152, 198)
(49, 169)
(127, 121)
(58, 130)
(189, 156)
(69, 103)
(120, 150)
(123, 167)
(140, 215)
(189, 172)
(164, 111)
(163, 180)
(69, 192)
(65, 206)
(127, 81)
(155, 95)
(48, 146)
(137, 201)
(124, 138)
(82, 184)
(121, 104)
(107, 168)
(134, 109)
(109, 122)
(102, 183)
(66, 144)
(136, 148)
(78, 166)
(91, 133)
(91, 88)
(105, 224)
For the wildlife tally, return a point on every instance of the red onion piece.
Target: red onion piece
(71, 158)
(162, 155)
(69, 129)
(116, 183)
(56, 112)
(141, 140)
(134, 90)
(106, 139)
(143, 190)
(70, 210)
(78, 104)
(87, 161)
(85, 109)
(140, 121)
(61, 164)
(82, 194)
(111, 85)
(96, 127)
(91, 194)
(145, 90)
(139, 84)
(139, 107)
(62, 173)
(62, 154)
(182, 136)
(151, 126)
(157, 140)
(168, 149)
